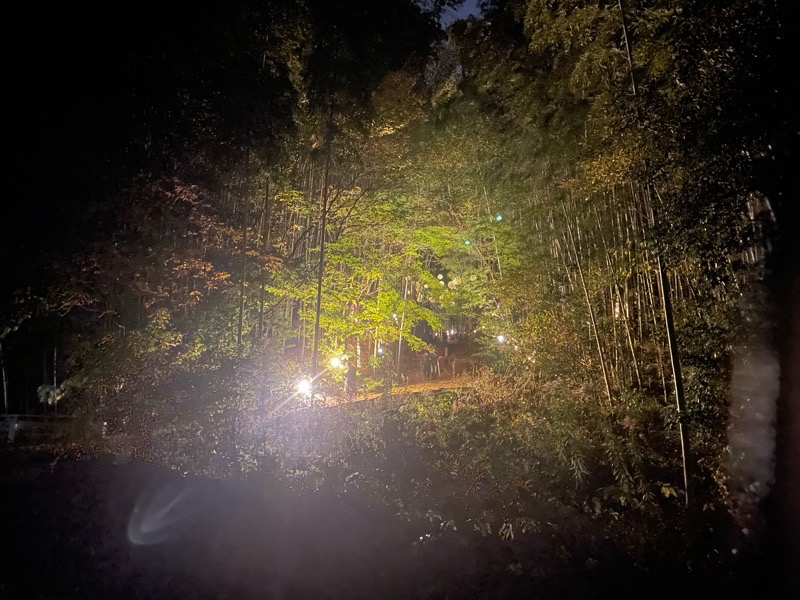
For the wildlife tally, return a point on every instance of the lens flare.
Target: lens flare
(304, 387)
(161, 516)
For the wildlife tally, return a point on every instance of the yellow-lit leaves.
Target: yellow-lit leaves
(668, 491)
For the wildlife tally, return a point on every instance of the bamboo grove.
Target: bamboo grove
(593, 183)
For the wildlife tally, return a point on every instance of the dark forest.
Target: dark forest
(357, 299)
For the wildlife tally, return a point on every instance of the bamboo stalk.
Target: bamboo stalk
(589, 306)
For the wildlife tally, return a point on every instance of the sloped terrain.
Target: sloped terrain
(91, 527)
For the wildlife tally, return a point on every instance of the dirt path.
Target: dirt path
(432, 386)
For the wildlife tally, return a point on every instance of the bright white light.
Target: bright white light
(499, 217)
(304, 387)
(501, 339)
(336, 362)
(380, 350)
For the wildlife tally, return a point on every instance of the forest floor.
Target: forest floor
(93, 526)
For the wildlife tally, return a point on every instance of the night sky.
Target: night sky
(470, 7)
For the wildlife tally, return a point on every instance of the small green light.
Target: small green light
(467, 242)
(499, 217)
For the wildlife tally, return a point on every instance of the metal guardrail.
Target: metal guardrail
(16, 428)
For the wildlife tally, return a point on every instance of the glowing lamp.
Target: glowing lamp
(304, 387)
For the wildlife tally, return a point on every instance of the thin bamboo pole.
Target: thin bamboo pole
(589, 306)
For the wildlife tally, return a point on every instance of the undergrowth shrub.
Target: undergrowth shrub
(499, 455)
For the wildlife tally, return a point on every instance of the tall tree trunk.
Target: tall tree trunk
(402, 324)
(5, 379)
(680, 401)
(628, 52)
(320, 276)
(44, 372)
(321, 269)
(266, 231)
(677, 379)
(55, 378)
(243, 280)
